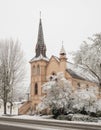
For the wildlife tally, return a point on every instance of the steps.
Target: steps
(25, 108)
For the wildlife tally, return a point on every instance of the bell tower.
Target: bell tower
(38, 69)
(63, 60)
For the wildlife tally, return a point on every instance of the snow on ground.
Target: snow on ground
(30, 117)
(15, 107)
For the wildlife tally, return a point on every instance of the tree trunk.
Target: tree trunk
(11, 105)
(5, 108)
(5, 100)
(100, 88)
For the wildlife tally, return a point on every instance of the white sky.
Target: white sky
(69, 20)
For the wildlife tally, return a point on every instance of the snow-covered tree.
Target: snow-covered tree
(58, 92)
(84, 99)
(12, 69)
(60, 98)
(97, 107)
(89, 55)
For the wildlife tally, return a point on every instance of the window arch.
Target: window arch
(33, 69)
(38, 69)
(53, 73)
(87, 86)
(36, 89)
(78, 84)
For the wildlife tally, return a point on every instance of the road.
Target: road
(3, 127)
(6, 125)
(43, 124)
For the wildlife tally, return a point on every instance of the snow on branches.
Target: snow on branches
(59, 96)
(89, 55)
(58, 92)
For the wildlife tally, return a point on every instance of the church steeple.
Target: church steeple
(63, 60)
(62, 52)
(40, 46)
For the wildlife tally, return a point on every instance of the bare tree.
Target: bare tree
(12, 69)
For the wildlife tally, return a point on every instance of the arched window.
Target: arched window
(53, 73)
(38, 70)
(36, 89)
(78, 84)
(87, 86)
(34, 69)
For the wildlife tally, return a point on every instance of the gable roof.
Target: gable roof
(79, 72)
(56, 58)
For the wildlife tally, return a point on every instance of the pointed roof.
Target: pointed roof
(62, 51)
(40, 39)
(40, 46)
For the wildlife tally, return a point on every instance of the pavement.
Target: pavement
(24, 126)
(7, 123)
(3, 127)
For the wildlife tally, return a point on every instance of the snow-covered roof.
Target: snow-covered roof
(80, 72)
(74, 75)
(41, 57)
(76, 71)
(57, 58)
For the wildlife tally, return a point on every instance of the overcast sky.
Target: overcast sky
(70, 21)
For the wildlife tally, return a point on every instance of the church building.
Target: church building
(42, 67)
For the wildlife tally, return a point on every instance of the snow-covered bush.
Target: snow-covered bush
(61, 100)
(84, 100)
(84, 118)
(58, 94)
(97, 108)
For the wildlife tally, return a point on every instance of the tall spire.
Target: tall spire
(40, 46)
(62, 51)
(40, 34)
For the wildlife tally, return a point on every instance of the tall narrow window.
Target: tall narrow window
(78, 84)
(36, 89)
(34, 69)
(38, 70)
(87, 86)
